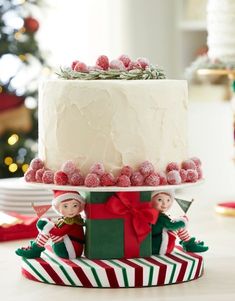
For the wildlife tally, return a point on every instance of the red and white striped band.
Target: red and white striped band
(152, 271)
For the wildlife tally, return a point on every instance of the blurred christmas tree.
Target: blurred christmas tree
(21, 65)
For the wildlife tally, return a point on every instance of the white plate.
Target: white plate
(19, 185)
(23, 203)
(49, 213)
(38, 197)
(114, 188)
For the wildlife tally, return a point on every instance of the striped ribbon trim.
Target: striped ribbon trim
(152, 271)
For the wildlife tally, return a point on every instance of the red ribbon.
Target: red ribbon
(141, 214)
(137, 218)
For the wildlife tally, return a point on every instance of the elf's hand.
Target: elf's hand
(41, 223)
(45, 225)
(175, 225)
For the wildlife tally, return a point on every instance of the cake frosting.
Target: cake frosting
(115, 122)
(220, 26)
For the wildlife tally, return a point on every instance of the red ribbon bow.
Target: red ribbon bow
(142, 214)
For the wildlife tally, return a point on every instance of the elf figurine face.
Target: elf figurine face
(68, 203)
(70, 208)
(162, 201)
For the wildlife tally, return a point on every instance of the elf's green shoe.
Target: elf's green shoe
(194, 246)
(33, 251)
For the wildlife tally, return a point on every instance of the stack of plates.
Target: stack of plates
(16, 196)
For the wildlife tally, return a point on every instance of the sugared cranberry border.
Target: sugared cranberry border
(189, 171)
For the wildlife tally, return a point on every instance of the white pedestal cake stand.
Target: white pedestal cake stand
(156, 270)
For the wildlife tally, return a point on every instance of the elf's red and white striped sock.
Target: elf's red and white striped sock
(183, 234)
(42, 239)
(56, 239)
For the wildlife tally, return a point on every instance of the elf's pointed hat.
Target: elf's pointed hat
(63, 195)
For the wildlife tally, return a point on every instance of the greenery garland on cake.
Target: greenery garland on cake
(123, 69)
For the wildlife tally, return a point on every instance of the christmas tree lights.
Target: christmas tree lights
(22, 63)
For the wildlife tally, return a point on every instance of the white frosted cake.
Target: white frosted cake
(220, 26)
(115, 122)
(118, 123)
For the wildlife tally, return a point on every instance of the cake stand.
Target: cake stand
(156, 270)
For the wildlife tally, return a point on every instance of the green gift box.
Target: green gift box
(119, 225)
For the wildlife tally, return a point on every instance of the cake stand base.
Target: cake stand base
(114, 273)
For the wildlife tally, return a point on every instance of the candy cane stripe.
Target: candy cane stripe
(148, 279)
(36, 269)
(172, 269)
(109, 271)
(138, 271)
(183, 263)
(191, 263)
(125, 273)
(156, 270)
(68, 265)
(94, 272)
(67, 278)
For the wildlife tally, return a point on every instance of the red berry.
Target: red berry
(29, 176)
(36, 164)
(183, 175)
(152, 180)
(123, 181)
(69, 167)
(192, 176)
(163, 179)
(199, 172)
(146, 168)
(173, 177)
(76, 179)
(60, 178)
(117, 65)
(92, 180)
(127, 170)
(98, 169)
(197, 161)
(107, 179)
(172, 166)
(103, 62)
(137, 179)
(48, 177)
(39, 174)
(144, 63)
(134, 65)
(81, 67)
(74, 63)
(125, 59)
(188, 164)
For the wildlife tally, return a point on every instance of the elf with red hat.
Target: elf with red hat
(165, 231)
(66, 234)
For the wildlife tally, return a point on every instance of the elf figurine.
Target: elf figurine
(165, 231)
(66, 234)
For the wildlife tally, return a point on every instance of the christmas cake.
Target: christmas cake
(120, 123)
(110, 136)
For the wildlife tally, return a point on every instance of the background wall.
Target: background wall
(85, 29)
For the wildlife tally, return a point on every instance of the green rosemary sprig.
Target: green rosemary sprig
(152, 72)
